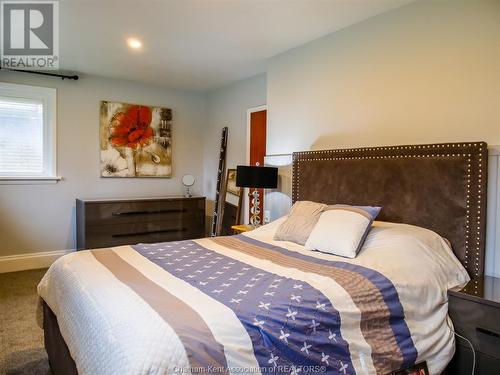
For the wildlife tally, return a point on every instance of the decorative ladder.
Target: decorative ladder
(220, 179)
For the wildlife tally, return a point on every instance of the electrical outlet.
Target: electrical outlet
(267, 216)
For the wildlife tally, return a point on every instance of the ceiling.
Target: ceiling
(196, 44)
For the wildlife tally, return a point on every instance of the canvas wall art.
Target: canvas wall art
(136, 140)
(231, 182)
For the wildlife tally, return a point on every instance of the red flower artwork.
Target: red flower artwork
(132, 128)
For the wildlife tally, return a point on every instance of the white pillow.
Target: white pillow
(341, 230)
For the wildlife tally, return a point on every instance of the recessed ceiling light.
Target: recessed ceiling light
(134, 43)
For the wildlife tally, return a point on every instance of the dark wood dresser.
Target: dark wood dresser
(113, 222)
(475, 312)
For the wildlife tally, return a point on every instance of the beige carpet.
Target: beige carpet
(21, 340)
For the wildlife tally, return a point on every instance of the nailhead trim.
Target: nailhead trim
(311, 156)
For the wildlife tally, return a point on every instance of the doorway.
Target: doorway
(256, 150)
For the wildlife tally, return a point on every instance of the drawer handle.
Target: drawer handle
(488, 332)
(125, 213)
(148, 232)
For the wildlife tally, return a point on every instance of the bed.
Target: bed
(249, 304)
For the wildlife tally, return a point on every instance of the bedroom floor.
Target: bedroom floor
(21, 340)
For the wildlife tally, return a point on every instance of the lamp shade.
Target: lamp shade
(256, 177)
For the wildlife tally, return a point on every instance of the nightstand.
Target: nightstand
(242, 228)
(475, 312)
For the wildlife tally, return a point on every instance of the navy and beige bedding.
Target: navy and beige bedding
(249, 304)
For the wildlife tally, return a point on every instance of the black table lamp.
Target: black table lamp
(256, 178)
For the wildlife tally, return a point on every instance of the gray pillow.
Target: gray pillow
(300, 222)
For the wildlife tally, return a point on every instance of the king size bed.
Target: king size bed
(250, 304)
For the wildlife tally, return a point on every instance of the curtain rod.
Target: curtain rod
(62, 76)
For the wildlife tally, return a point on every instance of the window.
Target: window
(27, 133)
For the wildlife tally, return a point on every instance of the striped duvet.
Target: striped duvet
(249, 305)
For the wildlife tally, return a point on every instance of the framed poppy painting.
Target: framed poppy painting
(136, 140)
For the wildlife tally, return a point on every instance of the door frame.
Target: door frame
(251, 110)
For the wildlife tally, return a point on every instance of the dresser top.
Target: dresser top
(149, 199)
(484, 289)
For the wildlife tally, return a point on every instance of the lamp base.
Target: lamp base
(255, 209)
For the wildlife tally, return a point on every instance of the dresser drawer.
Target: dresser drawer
(477, 322)
(151, 232)
(103, 223)
(135, 212)
(461, 364)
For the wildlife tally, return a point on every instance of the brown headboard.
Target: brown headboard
(439, 186)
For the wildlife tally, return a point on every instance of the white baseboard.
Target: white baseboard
(31, 261)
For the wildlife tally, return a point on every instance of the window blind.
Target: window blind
(21, 136)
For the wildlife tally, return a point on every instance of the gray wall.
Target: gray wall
(228, 106)
(35, 218)
(425, 72)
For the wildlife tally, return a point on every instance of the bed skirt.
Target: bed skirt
(60, 359)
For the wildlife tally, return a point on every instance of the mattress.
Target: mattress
(246, 304)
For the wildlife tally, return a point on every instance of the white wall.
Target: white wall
(36, 218)
(228, 106)
(426, 72)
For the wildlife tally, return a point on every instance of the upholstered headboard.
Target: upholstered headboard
(439, 186)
